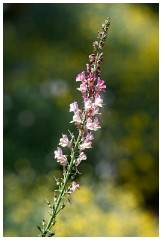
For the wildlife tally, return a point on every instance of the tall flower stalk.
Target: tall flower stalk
(86, 122)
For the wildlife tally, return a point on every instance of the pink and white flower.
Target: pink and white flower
(64, 141)
(73, 187)
(96, 124)
(83, 88)
(100, 85)
(81, 157)
(73, 107)
(93, 125)
(77, 117)
(87, 104)
(85, 144)
(80, 77)
(95, 110)
(62, 159)
(89, 137)
(90, 80)
(98, 100)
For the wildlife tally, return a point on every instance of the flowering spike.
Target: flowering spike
(86, 121)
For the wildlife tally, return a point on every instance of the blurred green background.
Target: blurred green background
(45, 47)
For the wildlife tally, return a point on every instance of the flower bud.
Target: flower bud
(43, 222)
(92, 58)
(88, 67)
(101, 44)
(101, 34)
(55, 198)
(98, 63)
(63, 205)
(101, 56)
(95, 45)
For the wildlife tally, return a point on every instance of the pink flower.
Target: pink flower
(87, 104)
(73, 187)
(89, 137)
(73, 107)
(80, 77)
(83, 87)
(81, 157)
(89, 123)
(100, 85)
(90, 80)
(60, 157)
(95, 110)
(64, 142)
(98, 100)
(76, 117)
(86, 144)
(94, 126)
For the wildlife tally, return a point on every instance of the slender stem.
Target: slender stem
(66, 179)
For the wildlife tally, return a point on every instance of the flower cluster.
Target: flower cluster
(86, 121)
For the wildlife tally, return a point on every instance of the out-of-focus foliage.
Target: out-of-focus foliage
(95, 210)
(45, 46)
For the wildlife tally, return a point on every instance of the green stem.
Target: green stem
(65, 181)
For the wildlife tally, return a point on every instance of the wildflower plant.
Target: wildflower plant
(86, 121)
